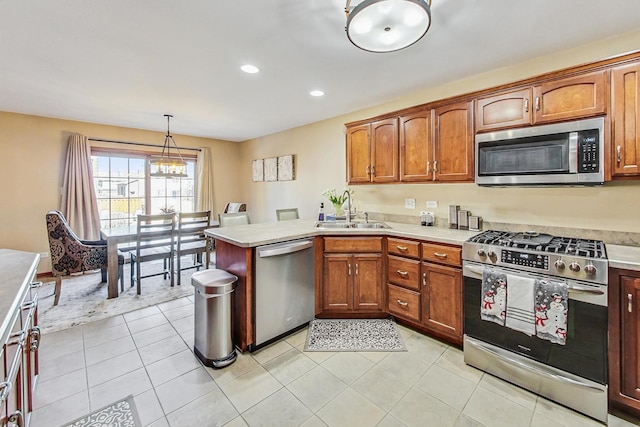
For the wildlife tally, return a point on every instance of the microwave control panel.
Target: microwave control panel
(588, 151)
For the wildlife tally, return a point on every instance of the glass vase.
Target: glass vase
(338, 208)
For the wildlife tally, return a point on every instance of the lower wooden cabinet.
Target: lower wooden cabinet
(624, 340)
(442, 299)
(351, 282)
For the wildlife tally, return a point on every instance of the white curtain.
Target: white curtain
(204, 181)
(79, 204)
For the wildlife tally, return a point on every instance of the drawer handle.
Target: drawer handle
(618, 154)
(35, 338)
(537, 103)
(424, 279)
(402, 273)
(630, 305)
(349, 268)
(402, 248)
(439, 255)
(402, 303)
(526, 105)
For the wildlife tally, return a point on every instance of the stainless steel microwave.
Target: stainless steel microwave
(569, 153)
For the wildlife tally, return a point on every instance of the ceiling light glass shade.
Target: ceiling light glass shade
(169, 166)
(388, 25)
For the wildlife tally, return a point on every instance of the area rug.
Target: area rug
(354, 335)
(119, 414)
(83, 298)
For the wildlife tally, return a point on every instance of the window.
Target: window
(125, 190)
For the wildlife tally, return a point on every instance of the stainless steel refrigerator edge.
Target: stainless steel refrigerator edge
(284, 289)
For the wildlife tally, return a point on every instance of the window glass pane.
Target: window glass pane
(121, 180)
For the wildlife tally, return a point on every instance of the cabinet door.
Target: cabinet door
(358, 154)
(416, 148)
(630, 351)
(626, 120)
(453, 145)
(384, 150)
(570, 98)
(442, 299)
(504, 110)
(367, 282)
(337, 288)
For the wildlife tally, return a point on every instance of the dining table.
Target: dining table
(114, 237)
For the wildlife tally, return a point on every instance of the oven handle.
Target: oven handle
(571, 288)
(535, 370)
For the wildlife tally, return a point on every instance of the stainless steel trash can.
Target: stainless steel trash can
(212, 317)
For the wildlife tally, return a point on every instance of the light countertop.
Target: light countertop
(252, 235)
(17, 269)
(627, 257)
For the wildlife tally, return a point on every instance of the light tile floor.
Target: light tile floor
(148, 353)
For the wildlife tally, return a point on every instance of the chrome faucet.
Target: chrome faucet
(366, 217)
(348, 214)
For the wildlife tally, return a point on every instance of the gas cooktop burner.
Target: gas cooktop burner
(534, 241)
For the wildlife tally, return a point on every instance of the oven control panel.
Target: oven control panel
(537, 261)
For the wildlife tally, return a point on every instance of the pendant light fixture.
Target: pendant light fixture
(387, 25)
(166, 165)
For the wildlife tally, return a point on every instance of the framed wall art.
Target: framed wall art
(285, 168)
(257, 170)
(271, 169)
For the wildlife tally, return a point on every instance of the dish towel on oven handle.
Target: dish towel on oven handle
(552, 305)
(520, 304)
(494, 296)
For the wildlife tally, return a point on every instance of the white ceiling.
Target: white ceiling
(128, 62)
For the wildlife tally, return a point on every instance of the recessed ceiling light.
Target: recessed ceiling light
(316, 93)
(250, 69)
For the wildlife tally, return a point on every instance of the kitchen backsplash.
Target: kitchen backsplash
(611, 237)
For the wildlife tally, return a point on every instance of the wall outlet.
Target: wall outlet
(410, 203)
(432, 204)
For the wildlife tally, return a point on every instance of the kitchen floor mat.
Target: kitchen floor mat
(354, 335)
(119, 414)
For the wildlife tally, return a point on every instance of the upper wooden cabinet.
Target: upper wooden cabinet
(453, 143)
(372, 152)
(625, 123)
(557, 100)
(416, 146)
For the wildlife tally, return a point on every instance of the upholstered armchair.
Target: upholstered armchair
(70, 254)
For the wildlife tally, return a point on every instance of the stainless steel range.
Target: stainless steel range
(535, 314)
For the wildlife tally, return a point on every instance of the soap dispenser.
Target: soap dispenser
(321, 212)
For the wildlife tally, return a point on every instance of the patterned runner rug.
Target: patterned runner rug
(354, 335)
(119, 414)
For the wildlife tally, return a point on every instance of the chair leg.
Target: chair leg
(103, 274)
(56, 297)
(178, 268)
(132, 264)
(121, 276)
(138, 277)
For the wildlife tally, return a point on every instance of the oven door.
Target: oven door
(585, 351)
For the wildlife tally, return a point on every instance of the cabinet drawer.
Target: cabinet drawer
(404, 272)
(442, 254)
(355, 244)
(404, 303)
(401, 247)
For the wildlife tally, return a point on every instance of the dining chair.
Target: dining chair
(154, 241)
(191, 240)
(70, 254)
(230, 219)
(235, 207)
(284, 214)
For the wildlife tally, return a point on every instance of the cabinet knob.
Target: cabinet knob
(349, 269)
(537, 103)
(618, 154)
(428, 167)
(356, 269)
(630, 305)
(526, 105)
(435, 166)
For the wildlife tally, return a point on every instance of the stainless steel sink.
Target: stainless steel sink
(344, 224)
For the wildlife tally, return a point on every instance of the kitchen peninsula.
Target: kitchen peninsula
(236, 253)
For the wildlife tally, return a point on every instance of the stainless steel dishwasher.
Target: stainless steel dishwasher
(284, 289)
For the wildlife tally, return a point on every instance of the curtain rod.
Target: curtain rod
(143, 144)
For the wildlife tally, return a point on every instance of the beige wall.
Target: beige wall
(320, 154)
(33, 150)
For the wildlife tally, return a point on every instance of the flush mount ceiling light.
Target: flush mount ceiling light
(166, 165)
(387, 25)
(316, 93)
(250, 69)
